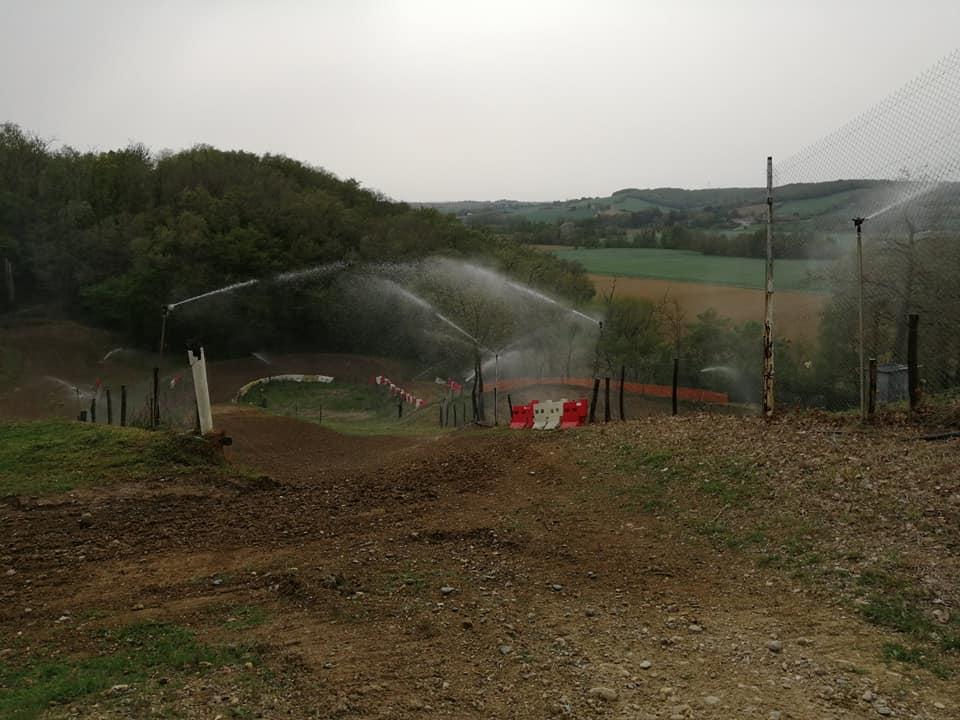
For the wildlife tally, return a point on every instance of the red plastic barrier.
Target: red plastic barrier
(521, 416)
(575, 413)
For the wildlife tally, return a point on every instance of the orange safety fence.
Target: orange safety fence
(662, 391)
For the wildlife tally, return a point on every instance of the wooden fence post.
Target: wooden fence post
(872, 390)
(606, 399)
(593, 402)
(123, 405)
(93, 409)
(109, 408)
(623, 374)
(676, 382)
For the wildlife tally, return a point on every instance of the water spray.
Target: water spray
(526, 290)
(284, 277)
(921, 191)
(419, 301)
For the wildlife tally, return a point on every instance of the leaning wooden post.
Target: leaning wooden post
(198, 366)
(623, 374)
(593, 401)
(767, 310)
(606, 399)
(123, 405)
(913, 367)
(676, 382)
(109, 408)
(872, 391)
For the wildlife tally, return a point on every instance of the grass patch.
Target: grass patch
(53, 456)
(346, 408)
(245, 617)
(916, 656)
(720, 533)
(898, 613)
(131, 656)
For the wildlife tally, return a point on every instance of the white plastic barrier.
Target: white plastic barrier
(198, 365)
(297, 377)
(547, 415)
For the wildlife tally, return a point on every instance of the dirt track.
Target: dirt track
(555, 590)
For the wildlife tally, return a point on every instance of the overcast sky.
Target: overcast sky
(446, 100)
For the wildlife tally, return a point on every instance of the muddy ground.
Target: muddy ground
(595, 573)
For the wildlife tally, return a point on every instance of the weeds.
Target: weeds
(56, 456)
(30, 687)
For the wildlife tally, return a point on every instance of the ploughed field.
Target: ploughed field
(701, 566)
(732, 287)
(796, 314)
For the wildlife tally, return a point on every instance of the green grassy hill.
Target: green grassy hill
(825, 206)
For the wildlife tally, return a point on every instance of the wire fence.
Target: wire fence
(172, 406)
(897, 166)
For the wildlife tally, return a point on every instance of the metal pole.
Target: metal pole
(163, 328)
(913, 362)
(155, 408)
(858, 221)
(768, 303)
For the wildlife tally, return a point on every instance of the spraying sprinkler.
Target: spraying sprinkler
(858, 223)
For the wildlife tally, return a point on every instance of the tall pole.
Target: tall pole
(768, 303)
(858, 222)
(913, 363)
(163, 328)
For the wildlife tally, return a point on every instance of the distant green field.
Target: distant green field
(688, 266)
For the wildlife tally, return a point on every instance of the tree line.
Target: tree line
(109, 237)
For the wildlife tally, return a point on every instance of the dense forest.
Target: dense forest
(109, 237)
